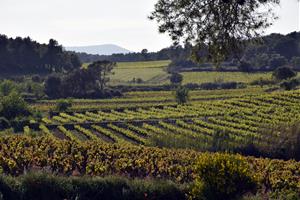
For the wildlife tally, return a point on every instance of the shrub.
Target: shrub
(277, 61)
(245, 66)
(290, 84)
(46, 187)
(283, 73)
(4, 123)
(176, 78)
(63, 105)
(13, 106)
(53, 86)
(7, 86)
(9, 189)
(182, 95)
(221, 85)
(209, 86)
(222, 176)
(49, 187)
(139, 80)
(36, 78)
(263, 81)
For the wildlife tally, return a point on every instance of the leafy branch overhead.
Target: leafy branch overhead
(218, 26)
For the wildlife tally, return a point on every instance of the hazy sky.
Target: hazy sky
(92, 22)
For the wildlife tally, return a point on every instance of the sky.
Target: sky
(94, 22)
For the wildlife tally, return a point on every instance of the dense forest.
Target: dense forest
(25, 56)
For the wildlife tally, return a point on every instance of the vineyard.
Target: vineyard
(149, 136)
(148, 99)
(238, 119)
(97, 159)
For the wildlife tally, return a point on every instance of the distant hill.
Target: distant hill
(106, 49)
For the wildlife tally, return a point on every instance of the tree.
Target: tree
(6, 87)
(144, 51)
(176, 78)
(182, 95)
(296, 62)
(25, 56)
(53, 86)
(13, 106)
(277, 61)
(283, 73)
(218, 25)
(245, 66)
(101, 70)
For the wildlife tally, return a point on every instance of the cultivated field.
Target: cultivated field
(150, 73)
(205, 77)
(121, 136)
(137, 119)
(154, 73)
(148, 135)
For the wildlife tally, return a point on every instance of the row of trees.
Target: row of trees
(262, 54)
(25, 56)
(265, 54)
(144, 55)
(87, 82)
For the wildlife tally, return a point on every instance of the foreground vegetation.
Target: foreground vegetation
(22, 154)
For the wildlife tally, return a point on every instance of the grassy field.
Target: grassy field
(154, 73)
(150, 72)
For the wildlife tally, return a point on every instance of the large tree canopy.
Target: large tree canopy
(25, 56)
(218, 25)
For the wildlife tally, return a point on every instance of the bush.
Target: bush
(49, 187)
(13, 106)
(4, 123)
(6, 87)
(53, 86)
(182, 95)
(290, 84)
(139, 80)
(283, 73)
(221, 85)
(263, 81)
(36, 78)
(222, 176)
(176, 78)
(277, 61)
(245, 66)
(209, 86)
(63, 105)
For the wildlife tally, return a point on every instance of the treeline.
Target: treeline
(89, 82)
(25, 56)
(273, 51)
(264, 54)
(144, 55)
